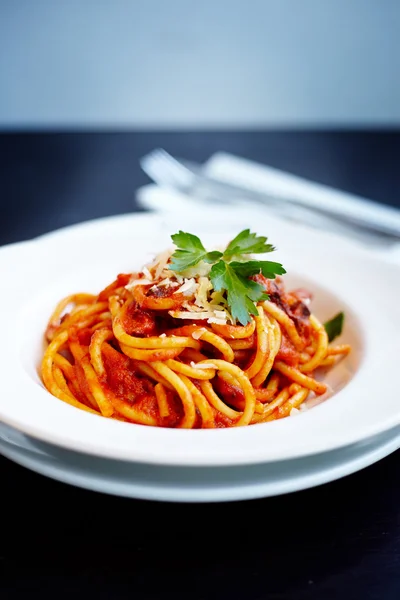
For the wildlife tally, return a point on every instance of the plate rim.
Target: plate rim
(81, 446)
(363, 459)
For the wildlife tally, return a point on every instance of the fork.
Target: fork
(169, 172)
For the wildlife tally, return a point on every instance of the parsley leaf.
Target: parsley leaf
(229, 273)
(247, 243)
(334, 327)
(190, 252)
(241, 292)
(252, 267)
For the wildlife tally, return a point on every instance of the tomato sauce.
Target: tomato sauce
(122, 378)
(84, 336)
(222, 421)
(231, 394)
(287, 352)
(121, 281)
(139, 322)
(85, 392)
(129, 385)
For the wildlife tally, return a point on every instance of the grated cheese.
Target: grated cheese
(188, 288)
(196, 316)
(204, 287)
(136, 282)
(167, 283)
(216, 321)
(192, 307)
(160, 262)
(196, 335)
(220, 314)
(147, 273)
(202, 366)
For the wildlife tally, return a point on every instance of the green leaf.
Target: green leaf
(255, 291)
(212, 257)
(253, 267)
(247, 243)
(187, 241)
(334, 327)
(241, 292)
(190, 252)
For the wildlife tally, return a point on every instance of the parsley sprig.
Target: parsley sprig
(230, 269)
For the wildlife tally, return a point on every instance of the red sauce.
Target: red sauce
(287, 352)
(137, 321)
(84, 336)
(83, 385)
(176, 411)
(243, 358)
(231, 394)
(121, 281)
(121, 376)
(148, 404)
(222, 421)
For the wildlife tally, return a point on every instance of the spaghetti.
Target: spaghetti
(162, 349)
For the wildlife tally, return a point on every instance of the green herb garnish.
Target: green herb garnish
(334, 327)
(190, 252)
(231, 269)
(247, 243)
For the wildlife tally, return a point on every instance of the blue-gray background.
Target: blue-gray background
(196, 64)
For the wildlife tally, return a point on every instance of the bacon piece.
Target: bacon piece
(302, 294)
(291, 303)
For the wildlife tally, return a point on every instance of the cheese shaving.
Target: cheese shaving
(196, 335)
(188, 288)
(136, 282)
(147, 273)
(202, 365)
(192, 307)
(196, 316)
(167, 283)
(220, 314)
(216, 321)
(159, 263)
(204, 286)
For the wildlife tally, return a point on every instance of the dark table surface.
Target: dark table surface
(340, 540)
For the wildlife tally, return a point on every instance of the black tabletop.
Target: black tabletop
(338, 540)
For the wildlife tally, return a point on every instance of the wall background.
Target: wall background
(197, 64)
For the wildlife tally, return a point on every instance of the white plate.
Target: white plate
(35, 275)
(183, 484)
